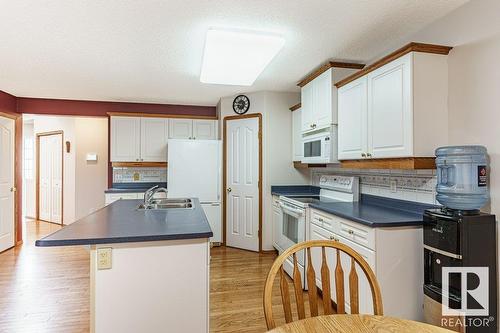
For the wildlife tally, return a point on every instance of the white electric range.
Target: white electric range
(294, 221)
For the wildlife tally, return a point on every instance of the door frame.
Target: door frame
(224, 172)
(37, 190)
(18, 124)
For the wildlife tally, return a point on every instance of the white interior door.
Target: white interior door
(50, 178)
(7, 214)
(242, 191)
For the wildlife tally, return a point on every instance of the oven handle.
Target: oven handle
(291, 211)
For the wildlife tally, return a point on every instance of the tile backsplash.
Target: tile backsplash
(139, 175)
(412, 185)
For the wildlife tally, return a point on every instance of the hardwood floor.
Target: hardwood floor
(47, 289)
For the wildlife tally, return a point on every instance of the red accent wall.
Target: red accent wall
(95, 108)
(7, 102)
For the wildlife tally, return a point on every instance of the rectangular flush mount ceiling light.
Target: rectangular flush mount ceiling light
(237, 57)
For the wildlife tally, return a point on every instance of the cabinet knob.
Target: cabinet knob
(368, 155)
(332, 238)
(137, 160)
(350, 232)
(320, 219)
(363, 154)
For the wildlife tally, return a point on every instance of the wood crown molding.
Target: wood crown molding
(411, 47)
(295, 107)
(300, 165)
(408, 163)
(139, 164)
(12, 116)
(327, 66)
(159, 115)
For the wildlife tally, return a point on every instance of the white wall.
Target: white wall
(276, 145)
(91, 177)
(84, 183)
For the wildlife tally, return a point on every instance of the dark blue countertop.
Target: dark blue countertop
(122, 222)
(294, 190)
(132, 187)
(375, 211)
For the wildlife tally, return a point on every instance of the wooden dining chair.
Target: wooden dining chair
(325, 282)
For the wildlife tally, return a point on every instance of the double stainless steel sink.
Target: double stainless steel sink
(167, 203)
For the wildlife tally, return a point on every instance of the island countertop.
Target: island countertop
(122, 222)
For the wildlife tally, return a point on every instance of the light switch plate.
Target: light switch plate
(104, 258)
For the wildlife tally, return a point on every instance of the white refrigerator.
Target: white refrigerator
(194, 170)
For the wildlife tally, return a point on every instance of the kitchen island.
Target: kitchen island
(149, 269)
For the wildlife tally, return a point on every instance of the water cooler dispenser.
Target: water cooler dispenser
(461, 240)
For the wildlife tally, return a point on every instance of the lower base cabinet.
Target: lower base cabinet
(395, 255)
(112, 197)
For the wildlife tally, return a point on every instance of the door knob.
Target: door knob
(13, 189)
(229, 190)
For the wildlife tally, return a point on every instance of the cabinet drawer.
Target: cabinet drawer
(112, 197)
(323, 220)
(357, 233)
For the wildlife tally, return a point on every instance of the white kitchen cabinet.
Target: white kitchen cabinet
(307, 108)
(112, 197)
(204, 129)
(319, 99)
(398, 110)
(125, 139)
(365, 295)
(297, 146)
(201, 129)
(390, 110)
(181, 128)
(154, 136)
(213, 211)
(353, 124)
(139, 139)
(394, 254)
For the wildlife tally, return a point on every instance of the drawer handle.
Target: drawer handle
(333, 238)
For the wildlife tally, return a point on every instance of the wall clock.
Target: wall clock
(241, 104)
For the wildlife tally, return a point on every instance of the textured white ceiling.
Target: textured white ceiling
(151, 51)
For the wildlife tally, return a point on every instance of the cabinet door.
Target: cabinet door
(322, 95)
(352, 115)
(204, 129)
(365, 296)
(298, 147)
(307, 107)
(180, 128)
(390, 111)
(125, 139)
(154, 136)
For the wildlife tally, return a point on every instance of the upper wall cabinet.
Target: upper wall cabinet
(201, 129)
(154, 136)
(139, 139)
(395, 110)
(319, 95)
(297, 146)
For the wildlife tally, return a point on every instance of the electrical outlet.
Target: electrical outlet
(394, 185)
(104, 258)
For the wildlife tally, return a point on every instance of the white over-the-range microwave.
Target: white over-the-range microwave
(321, 147)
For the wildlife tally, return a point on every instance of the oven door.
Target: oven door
(292, 226)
